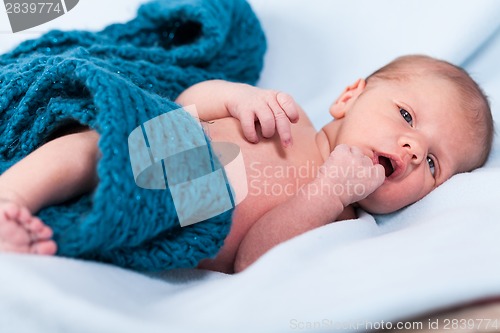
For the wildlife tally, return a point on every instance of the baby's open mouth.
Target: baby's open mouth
(387, 164)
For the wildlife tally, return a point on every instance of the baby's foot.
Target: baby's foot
(22, 232)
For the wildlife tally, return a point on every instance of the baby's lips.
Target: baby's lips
(386, 164)
(394, 164)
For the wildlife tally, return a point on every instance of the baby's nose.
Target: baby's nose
(415, 152)
(413, 147)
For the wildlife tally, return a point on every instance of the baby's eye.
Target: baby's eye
(430, 161)
(406, 115)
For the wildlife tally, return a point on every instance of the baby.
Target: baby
(396, 136)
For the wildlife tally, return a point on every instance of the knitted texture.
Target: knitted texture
(113, 81)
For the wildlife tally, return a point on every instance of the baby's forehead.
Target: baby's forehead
(461, 144)
(422, 85)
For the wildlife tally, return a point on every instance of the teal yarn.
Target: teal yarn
(113, 81)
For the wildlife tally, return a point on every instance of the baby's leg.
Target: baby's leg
(57, 171)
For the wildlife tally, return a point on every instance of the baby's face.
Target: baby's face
(416, 129)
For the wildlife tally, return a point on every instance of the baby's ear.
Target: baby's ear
(345, 100)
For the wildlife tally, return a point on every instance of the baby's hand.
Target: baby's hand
(274, 110)
(351, 175)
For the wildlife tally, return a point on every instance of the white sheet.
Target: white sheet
(440, 252)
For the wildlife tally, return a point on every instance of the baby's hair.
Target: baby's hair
(473, 100)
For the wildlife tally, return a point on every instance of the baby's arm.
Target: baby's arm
(218, 99)
(315, 204)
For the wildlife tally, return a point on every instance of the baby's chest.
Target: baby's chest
(264, 173)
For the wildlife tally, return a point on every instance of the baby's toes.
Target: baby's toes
(43, 233)
(13, 234)
(46, 247)
(28, 221)
(37, 227)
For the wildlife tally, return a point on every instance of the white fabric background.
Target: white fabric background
(440, 252)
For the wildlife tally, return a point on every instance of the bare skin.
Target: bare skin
(68, 161)
(22, 232)
(394, 167)
(68, 166)
(281, 203)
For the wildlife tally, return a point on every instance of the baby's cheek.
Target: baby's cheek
(388, 198)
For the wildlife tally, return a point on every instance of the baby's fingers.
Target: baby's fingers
(247, 121)
(285, 112)
(282, 124)
(267, 121)
(289, 106)
(284, 129)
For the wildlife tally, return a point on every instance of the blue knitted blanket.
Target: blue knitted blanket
(113, 81)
